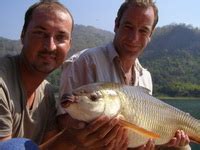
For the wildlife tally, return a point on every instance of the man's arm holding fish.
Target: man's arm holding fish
(179, 142)
(82, 137)
(102, 133)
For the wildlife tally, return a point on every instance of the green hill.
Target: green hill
(173, 60)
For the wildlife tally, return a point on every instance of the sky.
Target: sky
(98, 13)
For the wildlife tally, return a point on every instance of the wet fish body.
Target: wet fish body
(137, 107)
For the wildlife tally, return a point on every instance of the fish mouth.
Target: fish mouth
(67, 100)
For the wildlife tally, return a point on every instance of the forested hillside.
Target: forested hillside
(7, 46)
(88, 36)
(173, 56)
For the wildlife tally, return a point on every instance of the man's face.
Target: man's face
(47, 39)
(133, 31)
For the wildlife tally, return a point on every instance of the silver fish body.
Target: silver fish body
(137, 107)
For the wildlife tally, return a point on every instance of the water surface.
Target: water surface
(191, 106)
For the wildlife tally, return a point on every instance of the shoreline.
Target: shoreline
(179, 98)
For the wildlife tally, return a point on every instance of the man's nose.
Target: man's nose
(50, 43)
(133, 35)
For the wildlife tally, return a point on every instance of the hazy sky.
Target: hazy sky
(97, 13)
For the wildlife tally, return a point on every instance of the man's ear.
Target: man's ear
(149, 39)
(22, 37)
(70, 43)
(116, 24)
(152, 32)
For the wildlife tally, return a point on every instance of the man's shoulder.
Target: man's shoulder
(4, 62)
(7, 63)
(46, 85)
(7, 69)
(87, 54)
(7, 58)
(139, 67)
(47, 88)
(3, 84)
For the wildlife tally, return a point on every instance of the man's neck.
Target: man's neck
(31, 79)
(127, 63)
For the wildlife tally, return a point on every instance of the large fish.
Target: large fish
(143, 113)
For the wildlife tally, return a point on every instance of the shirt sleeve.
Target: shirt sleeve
(5, 114)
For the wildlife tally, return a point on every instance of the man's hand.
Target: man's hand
(102, 133)
(181, 139)
(65, 121)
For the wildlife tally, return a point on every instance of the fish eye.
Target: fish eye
(94, 97)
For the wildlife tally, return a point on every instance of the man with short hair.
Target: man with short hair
(27, 103)
(118, 61)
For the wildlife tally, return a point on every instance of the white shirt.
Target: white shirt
(100, 64)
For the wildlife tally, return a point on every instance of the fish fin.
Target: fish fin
(143, 89)
(138, 129)
(52, 139)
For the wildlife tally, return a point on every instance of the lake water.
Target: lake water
(191, 106)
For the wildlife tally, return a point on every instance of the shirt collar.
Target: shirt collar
(112, 54)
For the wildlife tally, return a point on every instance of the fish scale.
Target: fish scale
(156, 109)
(140, 109)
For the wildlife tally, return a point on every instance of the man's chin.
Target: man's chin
(46, 70)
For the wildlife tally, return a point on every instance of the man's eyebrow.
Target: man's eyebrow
(63, 32)
(44, 29)
(147, 27)
(127, 22)
(39, 27)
